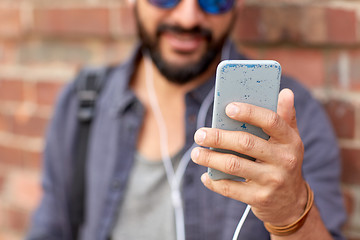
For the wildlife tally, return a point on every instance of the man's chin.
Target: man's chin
(181, 71)
(182, 66)
(182, 61)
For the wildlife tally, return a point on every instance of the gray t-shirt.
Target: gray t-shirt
(146, 212)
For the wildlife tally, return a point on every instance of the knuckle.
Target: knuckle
(290, 162)
(277, 181)
(273, 121)
(248, 142)
(300, 145)
(263, 199)
(206, 157)
(225, 189)
(248, 112)
(232, 165)
(218, 138)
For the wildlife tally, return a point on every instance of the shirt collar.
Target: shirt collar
(121, 95)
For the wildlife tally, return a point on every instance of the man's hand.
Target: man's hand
(274, 185)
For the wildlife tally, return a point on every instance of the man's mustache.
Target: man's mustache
(197, 30)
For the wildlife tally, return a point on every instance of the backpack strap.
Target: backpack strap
(88, 84)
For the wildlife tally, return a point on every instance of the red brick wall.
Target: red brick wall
(318, 42)
(42, 44)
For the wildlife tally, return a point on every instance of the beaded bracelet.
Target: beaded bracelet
(293, 227)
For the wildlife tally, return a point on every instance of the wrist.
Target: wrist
(297, 208)
(284, 230)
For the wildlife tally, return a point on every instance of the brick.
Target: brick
(33, 126)
(15, 219)
(72, 21)
(8, 52)
(250, 51)
(306, 65)
(55, 51)
(24, 189)
(124, 23)
(335, 68)
(47, 92)
(354, 69)
(341, 26)
(6, 123)
(21, 115)
(342, 116)
(349, 201)
(2, 219)
(2, 182)
(32, 160)
(332, 68)
(10, 22)
(29, 92)
(290, 28)
(350, 165)
(279, 23)
(9, 235)
(248, 25)
(14, 158)
(294, 23)
(351, 228)
(118, 52)
(11, 90)
(282, 23)
(313, 25)
(10, 157)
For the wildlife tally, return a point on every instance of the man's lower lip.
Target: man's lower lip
(183, 44)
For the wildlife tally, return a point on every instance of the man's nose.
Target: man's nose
(188, 14)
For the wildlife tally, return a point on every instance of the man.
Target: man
(147, 112)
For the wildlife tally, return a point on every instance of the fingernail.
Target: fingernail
(232, 110)
(195, 154)
(200, 136)
(203, 178)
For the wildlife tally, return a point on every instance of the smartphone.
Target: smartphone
(256, 82)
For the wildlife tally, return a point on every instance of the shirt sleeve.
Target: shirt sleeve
(49, 220)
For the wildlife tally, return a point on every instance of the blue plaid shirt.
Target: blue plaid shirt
(208, 215)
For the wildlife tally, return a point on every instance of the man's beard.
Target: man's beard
(184, 73)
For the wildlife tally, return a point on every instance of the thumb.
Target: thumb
(286, 109)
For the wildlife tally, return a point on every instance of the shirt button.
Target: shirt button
(189, 180)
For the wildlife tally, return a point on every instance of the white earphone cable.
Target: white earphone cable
(175, 178)
(174, 184)
(241, 222)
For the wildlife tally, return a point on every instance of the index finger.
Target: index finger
(271, 122)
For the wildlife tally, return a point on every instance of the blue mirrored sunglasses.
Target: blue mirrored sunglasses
(208, 6)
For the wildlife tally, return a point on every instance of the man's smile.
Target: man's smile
(183, 42)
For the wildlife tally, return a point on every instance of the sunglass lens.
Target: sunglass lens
(216, 6)
(164, 3)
